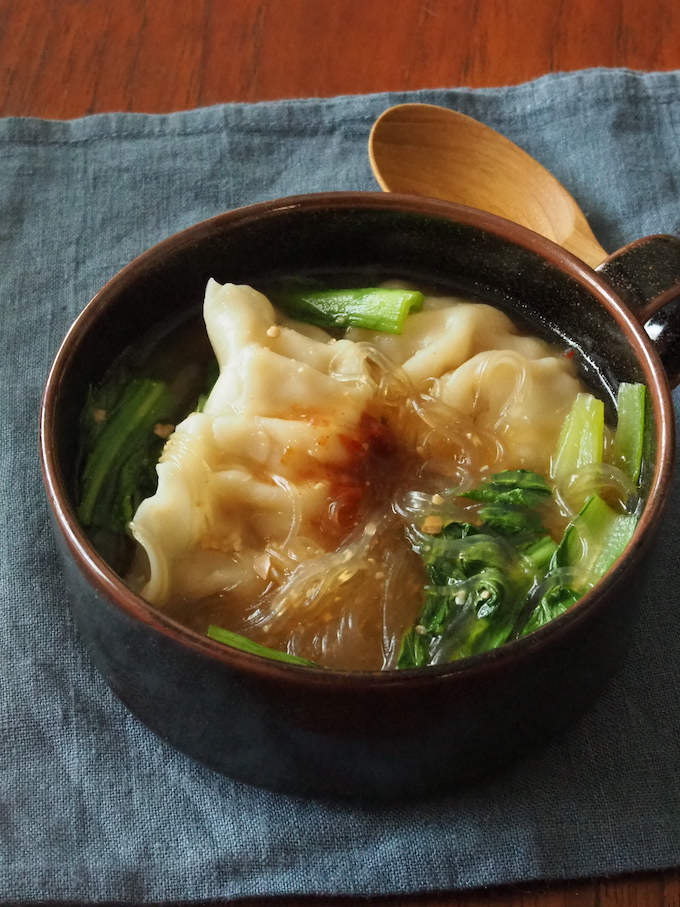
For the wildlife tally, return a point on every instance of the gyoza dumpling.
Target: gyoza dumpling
(520, 402)
(256, 472)
(445, 334)
(260, 458)
(473, 358)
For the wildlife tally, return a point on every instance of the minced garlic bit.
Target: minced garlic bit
(345, 575)
(380, 575)
(163, 430)
(262, 565)
(437, 499)
(460, 598)
(432, 525)
(485, 595)
(274, 331)
(99, 415)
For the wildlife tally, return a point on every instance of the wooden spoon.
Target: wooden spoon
(422, 149)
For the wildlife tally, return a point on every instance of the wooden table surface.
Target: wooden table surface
(66, 58)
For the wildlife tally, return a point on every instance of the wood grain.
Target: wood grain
(68, 58)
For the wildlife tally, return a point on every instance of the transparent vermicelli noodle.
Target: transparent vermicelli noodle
(604, 479)
(312, 500)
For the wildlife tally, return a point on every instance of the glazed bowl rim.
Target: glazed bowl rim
(111, 586)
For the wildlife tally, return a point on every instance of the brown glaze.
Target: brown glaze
(325, 733)
(646, 275)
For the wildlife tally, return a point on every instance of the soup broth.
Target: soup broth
(303, 501)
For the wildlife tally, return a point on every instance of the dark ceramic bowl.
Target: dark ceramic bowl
(392, 734)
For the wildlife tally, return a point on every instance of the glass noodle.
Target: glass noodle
(352, 605)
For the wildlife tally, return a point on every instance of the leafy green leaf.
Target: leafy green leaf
(119, 469)
(555, 602)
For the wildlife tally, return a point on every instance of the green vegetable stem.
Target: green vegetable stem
(236, 641)
(373, 308)
(581, 441)
(630, 429)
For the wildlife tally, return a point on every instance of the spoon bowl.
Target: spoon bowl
(422, 149)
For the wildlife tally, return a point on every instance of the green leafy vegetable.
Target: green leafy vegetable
(236, 641)
(415, 649)
(581, 441)
(480, 575)
(487, 580)
(449, 613)
(512, 480)
(590, 545)
(511, 497)
(510, 520)
(541, 553)
(121, 449)
(555, 602)
(595, 538)
(373, 308)
(211, 378)
(630, 429)
(125, 424)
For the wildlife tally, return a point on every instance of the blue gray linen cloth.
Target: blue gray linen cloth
(95, 807)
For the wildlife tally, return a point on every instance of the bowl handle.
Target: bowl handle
(646, 275)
